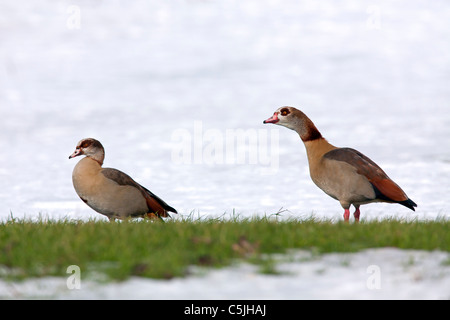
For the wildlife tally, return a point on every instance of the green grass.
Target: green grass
(166, 250)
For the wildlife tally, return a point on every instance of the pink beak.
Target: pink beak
(76, 153)
(273, 119)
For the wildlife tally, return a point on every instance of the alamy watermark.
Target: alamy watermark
(74, 19)
(227, 147)
(374, 280)
(74, 280)
(373, 21)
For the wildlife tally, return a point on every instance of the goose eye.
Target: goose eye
(86, 144)
(284, 112)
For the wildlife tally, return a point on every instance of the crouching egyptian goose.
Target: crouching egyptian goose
(110, 191)
(343, 173)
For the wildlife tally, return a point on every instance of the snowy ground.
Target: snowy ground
(177, 91)
(371, 274)
(161, 84)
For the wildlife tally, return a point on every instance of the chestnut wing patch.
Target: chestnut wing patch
(154, 203)
(385, 188)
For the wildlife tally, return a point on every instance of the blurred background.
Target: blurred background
(133, 74)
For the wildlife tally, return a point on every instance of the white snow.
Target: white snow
(160, 81)
(135, 75)
(387, 273)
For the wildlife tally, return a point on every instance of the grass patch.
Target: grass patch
(166, 250)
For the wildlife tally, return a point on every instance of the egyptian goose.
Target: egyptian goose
(110, 191)
(343, 173)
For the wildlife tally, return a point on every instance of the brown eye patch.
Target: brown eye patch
(285, 111)
(86, 143)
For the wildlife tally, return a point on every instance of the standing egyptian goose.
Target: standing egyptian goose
(110, 191)
(343, 173)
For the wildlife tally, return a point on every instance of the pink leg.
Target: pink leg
(346, 214)
(356, 214)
